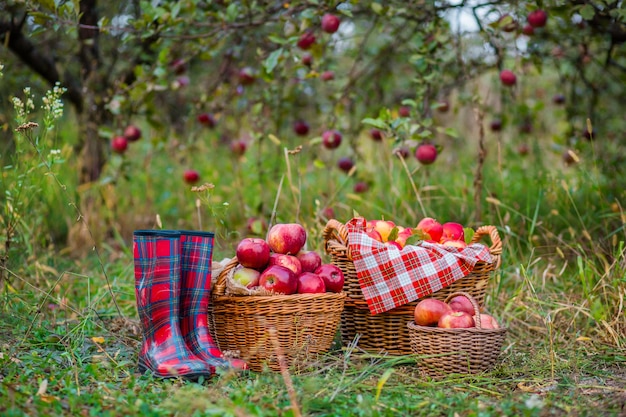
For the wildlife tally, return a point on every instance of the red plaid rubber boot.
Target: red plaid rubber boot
(157, 288)
(197, 256)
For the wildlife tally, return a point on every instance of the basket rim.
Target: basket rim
(280, 298)
(427, 329)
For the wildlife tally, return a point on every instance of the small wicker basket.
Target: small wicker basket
(456, 351)
(262, 328)
(388, 331)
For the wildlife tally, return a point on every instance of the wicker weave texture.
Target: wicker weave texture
(305, 325)
(388, 331)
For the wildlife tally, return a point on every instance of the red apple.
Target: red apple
(393, 243)
(461, 303)
(345, 163)
(402, 152)
(374, 235)
(182, 81)
(247, 76)
(523, 149)
(310, 260)
(428, 311)
(246, 277)
(307, 59)
(558, 99)
(279, 279)
(360, 187)
(443, 106)
(507, 77)
(286, 238)
(206, 119)
(537, 18)
(496, 125)
(328, 213)
(456, 320)
(488, 322)
(330, 23)
(331, 139)
(301, 128)
(179, 66)
(403, 235)
(310, 283)
(459, 244)
(426, 153)
(119, 144)
(132, 133)
(238, 147)
(306, 40)
(528, 30)
(384, 227)
(404, 111)
(432, 227)
(327, 75)
(376, 134)
(452, 231)
(288, 261)
(191, 176)
(256, 226)
(253, 252)
(332, 276)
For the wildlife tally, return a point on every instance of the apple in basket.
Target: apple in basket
(461, 303)
(253, 252)
(456, 320)
(288, 261)
(279, 279)
(286, 238)
(429, 310)
(310, 283)
(488, 322)
(246, 277)
(432, 227)
(332, 276)
(452, 231)
(310, 260)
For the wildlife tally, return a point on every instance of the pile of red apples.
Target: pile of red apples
(281, 265)
(428, 230)
(457, 313)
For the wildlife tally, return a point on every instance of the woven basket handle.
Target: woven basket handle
(335, 236)
(492, 231)
(474, 304)
(220, 284)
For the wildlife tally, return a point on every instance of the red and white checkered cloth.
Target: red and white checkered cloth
(390, 277)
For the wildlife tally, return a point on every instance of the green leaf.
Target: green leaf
(375, 123)
(272, 60)
(414, 239)
(277, 39)
(587, 12)
(448, 131)
(469, 234)
(377, 8)
(393, 234)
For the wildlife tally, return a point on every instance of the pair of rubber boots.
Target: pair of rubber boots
(173, 289)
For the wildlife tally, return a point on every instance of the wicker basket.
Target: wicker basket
(456, 351)
(305, 325)
(388, 331)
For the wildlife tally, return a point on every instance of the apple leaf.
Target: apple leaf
(469, 234)
(421, 235)
(272, 60)
(414, 240)
(587, 12)
(393, 235)
(375, 123)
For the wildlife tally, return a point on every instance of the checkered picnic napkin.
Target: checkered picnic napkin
(390, 277)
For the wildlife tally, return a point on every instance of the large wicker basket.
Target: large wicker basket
(265, 328)
(388, 332)
(444, 352)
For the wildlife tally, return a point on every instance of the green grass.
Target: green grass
(68, 325)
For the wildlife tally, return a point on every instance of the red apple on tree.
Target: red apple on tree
(528, 30)
(452, 231)
(507, 77)
(246, 277)
(306, 40)
(247, 76)
(461, 303)
(238, 147)
(310, 260)
(429, 310)
(345, 163)
(558, 99)
(300, 127)
(332, 276)
(253, 252)
(327, 75)
(432, 227)
(119, 144)
(206, 119)
(278, 279)
(537, 18)
(443, 106)
(310, 283)
(331, 139)
(376, 134)
(286, 238)
(191, 176)
(426, 153)
(496, 125)
(307, 59)
(360, 187)
(404, 111)
(330, 23)
(456, 320)
(288, 261)
(179, 66)
(132, 133)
